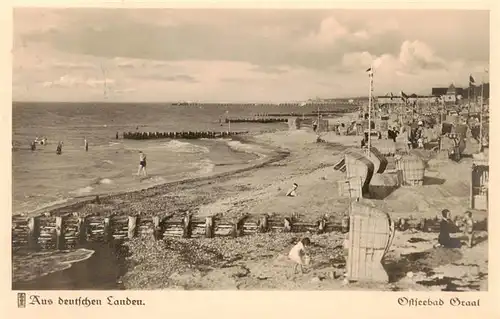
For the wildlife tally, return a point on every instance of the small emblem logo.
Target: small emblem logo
(21, 300)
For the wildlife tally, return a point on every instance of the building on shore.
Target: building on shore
(453, 94)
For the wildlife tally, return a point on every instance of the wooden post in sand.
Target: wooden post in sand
(186, 226)
(209, 227)
(59, 233)
(237, 225)
(33, 232)
(81, 229)
(107, 230)
(132, 226)
(287, 226)
(321, 225)
(157, 228)
(263, 225)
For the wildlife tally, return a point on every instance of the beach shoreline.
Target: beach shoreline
(269, 155)
(272, 153)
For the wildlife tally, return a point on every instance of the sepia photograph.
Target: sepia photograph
(250, 149)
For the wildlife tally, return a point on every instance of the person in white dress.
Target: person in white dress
(299, 256)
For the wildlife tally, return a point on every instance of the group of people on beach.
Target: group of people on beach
(447, 226)
(298, 253)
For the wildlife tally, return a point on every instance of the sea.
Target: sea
(41, 178)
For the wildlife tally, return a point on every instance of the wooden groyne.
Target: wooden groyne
(64, 232)
(180, 135)
(257, 120)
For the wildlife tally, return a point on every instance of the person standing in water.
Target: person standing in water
(33, 146)
(59, 148)
(86, 143)
(142, 164)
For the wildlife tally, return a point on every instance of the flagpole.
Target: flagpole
(370, 110)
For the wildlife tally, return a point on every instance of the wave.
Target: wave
(184, 147)
(49, 263)
(237, 146)
(83, 190)
(106, 181)
(108, 162)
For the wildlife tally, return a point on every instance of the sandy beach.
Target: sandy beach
(260, 261)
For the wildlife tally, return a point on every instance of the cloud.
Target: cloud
(72, 65)
(170, 78)
(123, 91)
(330, 30)
(357, 61)
(241, 54)
(68, 81)
(269, 70)
(419, 55)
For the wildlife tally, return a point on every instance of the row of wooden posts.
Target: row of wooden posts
(257, 120)
(61, 232)
(180, 135)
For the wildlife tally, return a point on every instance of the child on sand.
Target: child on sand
(298, 254)
(293, 191)
(469, 228)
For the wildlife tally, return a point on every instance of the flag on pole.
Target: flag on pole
(404, 96)
(392, 96)
(471, 80)
(369, 71)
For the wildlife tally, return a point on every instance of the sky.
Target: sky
(231, 55)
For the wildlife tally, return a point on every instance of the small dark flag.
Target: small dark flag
(403, 95)
(392, 96)
(471, 80)
(369, 70)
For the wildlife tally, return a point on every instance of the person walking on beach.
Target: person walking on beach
(33, 146)
(86, 144)
(299, 256)
(142, 164)
(116, 135)
(59, 148)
